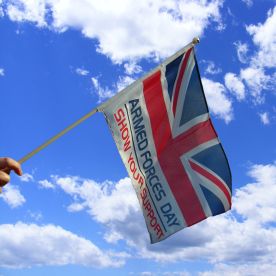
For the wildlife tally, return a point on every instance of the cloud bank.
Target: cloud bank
(26, 245)
(125, 29)
(246, 235)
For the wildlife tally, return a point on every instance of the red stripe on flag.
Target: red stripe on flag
(195, 136)
(180, 78)
(168, 157)
(213, 179)
(181, 188)
(157, 110)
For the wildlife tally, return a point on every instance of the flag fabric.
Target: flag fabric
(163, 131)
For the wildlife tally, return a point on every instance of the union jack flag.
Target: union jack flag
(163, 131)
(188, 149)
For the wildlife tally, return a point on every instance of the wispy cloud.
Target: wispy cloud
(255, 74)
(263, 35)
(12, 196)
(1, 9)
(24, 10)
(249, 3)
(46, 184)
(235, 86)
(123, 82)
(257, 81)
(27, 177)
(220, 105)
(36, 216)
(264, 117)
(211, 68)
(82, 72)
(2, 72)
(242, 51)
(132, 68)
(105, 92)
(102, 92)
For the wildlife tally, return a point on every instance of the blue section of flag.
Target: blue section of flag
(171, 74)
(214, 158)
(214, 202)
(194, 104)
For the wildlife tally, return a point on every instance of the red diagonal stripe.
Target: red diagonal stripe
(213, 179)
(181, 187)
(180, 78)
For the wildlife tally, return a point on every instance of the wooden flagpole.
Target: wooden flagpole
(92, 112)
(57, 136)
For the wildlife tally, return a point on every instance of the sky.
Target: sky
(74, 211)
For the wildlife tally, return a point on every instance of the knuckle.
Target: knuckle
(7, 160)
(4, 178)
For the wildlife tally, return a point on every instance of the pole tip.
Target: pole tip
(195, 40)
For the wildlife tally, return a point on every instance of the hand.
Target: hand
(6, 166)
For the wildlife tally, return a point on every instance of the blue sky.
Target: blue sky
(74, 211)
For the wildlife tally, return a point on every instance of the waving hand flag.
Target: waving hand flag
(163, 131)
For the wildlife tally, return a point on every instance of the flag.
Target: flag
(163, 131)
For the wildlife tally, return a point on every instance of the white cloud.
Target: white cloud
(264, 37)
(112, 204)
(211, 68)
(1, 9)
(235, 85)
(237, 239)
(147, 273)
(123, 82)
(132, 68)
(256, 201)
(107, 92)
(28, 10)
(12, 196)
(257, 81)
(76, 207)
(256, 75)
(176, 273)
(249, 3)
(242, 51)
(218, 102)
(37, 216)
(166, 273)
(93, 197)
(125, 29)
(27, 245)
(2, 71)
(251, 269)
(46, 184)
(102, 92)
(26, 177)
(264, 118)
(82, 72)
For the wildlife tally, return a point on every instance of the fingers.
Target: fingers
(4, 178)
(7, 164)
